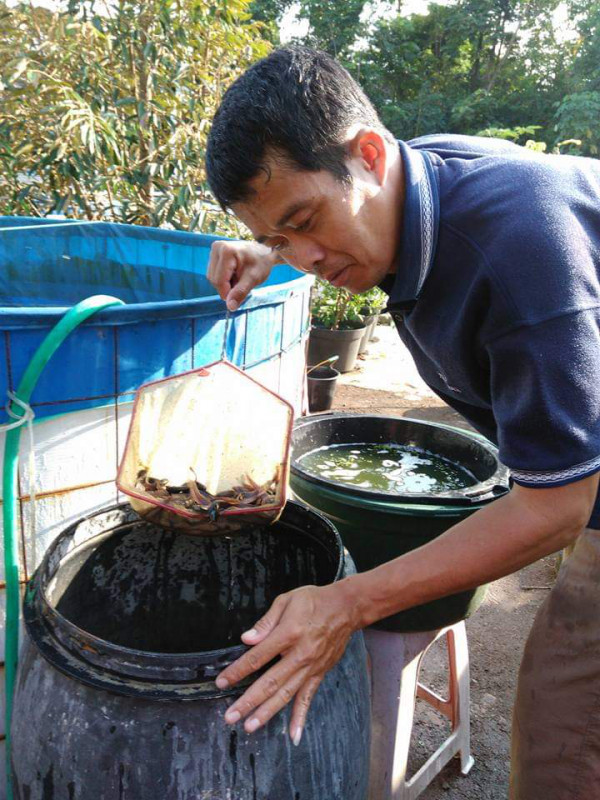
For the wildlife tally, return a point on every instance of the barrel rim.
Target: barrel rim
(103, 664)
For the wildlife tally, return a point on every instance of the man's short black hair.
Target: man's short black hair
(296, 104)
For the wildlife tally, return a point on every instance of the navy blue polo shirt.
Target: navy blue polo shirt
(497, 296)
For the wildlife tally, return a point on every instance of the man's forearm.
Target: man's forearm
(495, 541)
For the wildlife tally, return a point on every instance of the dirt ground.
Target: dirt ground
(386, 382)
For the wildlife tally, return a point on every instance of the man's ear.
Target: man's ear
(367, 149)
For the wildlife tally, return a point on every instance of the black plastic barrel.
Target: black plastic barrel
(127, 625)
(377, 526)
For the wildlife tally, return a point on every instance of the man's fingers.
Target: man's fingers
(309, 636)
(266, 624)
(223, 266)
(302, 703)
(224, 278)
(241, 288)
(267, 695)
(254, 659)
(295, 686)
(235, 268)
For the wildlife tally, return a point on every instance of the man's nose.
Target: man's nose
(306, 254)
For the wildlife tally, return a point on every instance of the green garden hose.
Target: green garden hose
(71, 320)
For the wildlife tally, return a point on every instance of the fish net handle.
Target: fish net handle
(225, 332)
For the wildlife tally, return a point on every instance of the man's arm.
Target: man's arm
(499, 539)
(310, 627)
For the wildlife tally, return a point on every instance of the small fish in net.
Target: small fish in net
(194, 496)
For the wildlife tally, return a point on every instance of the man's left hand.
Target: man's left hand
(309, 628)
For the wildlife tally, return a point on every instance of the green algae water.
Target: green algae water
(387, 468)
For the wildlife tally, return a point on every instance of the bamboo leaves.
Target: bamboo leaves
(105, 108)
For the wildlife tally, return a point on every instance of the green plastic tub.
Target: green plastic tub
(379, 526)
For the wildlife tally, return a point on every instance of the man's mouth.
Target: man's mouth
(339, 278)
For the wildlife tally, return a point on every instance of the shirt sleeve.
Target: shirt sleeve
(546, 399)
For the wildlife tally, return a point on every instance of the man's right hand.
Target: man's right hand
(235, 268)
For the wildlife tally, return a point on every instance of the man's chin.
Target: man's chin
(357, 286)
(354, 280)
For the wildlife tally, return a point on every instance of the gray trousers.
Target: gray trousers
(556, 721)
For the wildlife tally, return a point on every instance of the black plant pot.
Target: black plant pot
(321, 388)
(324, 343)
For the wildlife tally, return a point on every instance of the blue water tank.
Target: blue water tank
(172, 321)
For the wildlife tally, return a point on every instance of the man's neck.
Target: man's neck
(396, 189)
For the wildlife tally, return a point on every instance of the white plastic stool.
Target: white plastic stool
(395, 662)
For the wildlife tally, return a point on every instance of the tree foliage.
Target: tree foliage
(578, 111)
(105, 108)
(465, 67)
(471, 66)
(332, 26)
(484, 66)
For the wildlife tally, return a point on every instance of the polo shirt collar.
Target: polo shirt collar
(419, 231)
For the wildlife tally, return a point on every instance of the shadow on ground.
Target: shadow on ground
(352, 398)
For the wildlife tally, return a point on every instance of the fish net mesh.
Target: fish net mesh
(207, 451)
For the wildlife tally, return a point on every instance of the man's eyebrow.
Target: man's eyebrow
(286, 216)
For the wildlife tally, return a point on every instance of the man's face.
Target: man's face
(346, 233)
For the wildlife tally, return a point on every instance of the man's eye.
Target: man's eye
(304, 225)
(279, 246)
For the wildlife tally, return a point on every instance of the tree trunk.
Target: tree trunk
(144, 115)
(476, 66)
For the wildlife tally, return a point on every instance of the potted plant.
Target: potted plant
(369, 306)
(337, 326)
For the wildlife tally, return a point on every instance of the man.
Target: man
(490, 256)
